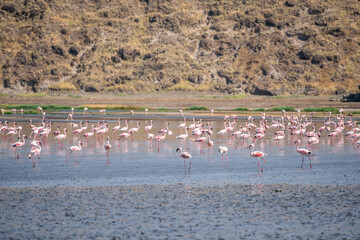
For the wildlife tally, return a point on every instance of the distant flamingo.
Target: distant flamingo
(61, 137)
(303, 152)
(85, 111)
(223, 150)
(18, 145)
(124, 129)
(107, 147)
(116, 128)
(35, 151)
(183, 136)
(258, 155)
(184, 155)
(74, 149)
(149, 127)
(159, 138)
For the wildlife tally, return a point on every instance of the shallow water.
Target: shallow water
(138, 161)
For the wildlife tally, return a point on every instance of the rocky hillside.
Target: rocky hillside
(243, 46)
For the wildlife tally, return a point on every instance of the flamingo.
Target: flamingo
(85, 111)
(124, 129)
(223, 150)
(212, 113)
(19, 144)
(184, 155)
(183, 125)
(132, 112)
(303, 152)
(258, 155)
(146, 111)
(159, 138)
(107, 147)
(61, 137)
(116, 128)
(183, 136)
(278, 139)
(35, 151)
(181, 112)
(57, 132)
(149, 127)
(74, 149)
(134, 130)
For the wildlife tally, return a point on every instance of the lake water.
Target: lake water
(138, 161)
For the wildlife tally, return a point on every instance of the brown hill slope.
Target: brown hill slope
(249, 46)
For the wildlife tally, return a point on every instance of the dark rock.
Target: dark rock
(270, 23)
(317, 59)
(340, 91)
(311, 90)
(259, 91)
(305, 34)
(290, 3)
(90, 88)
(63, 31)
(305, 54)
(220, 36)
(115, 59)
(265, 69)
(206, 44)
(196, 79)
(336, 32)
(9, 8)
(228, 78)
(320, 21)
(74, 51)
(334, 58)
(214, 12)
(58, 50)
(351, 97)
(126, 53)
(315, 10)
(54, 72)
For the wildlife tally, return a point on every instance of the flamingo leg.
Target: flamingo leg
(263, 164)
(258, 164)
(310, 161)
(189, 165)
(302, 163)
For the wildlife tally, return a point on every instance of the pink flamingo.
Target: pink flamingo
(18, 145)
(35, 151)
(74, 149)
(183, 136)
(116, 128)
(107, 147)
(134, 130)
(278, 139)
(57, 132)
(258, 155)
(61, 137)
(184, 155)
(149, 127)
(303, 152)
(124, 129)
(159, 138)
(123, 136)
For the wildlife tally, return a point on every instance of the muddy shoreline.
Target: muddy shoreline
(181, 211)
(183, 100)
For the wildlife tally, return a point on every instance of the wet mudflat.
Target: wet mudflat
(148, 193)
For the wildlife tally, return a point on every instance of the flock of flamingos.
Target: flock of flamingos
(197, 131)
